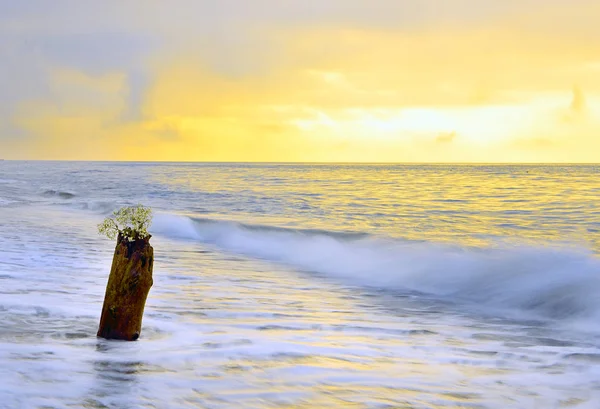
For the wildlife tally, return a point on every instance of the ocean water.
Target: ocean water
(306, 286)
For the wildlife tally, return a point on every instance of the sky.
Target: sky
(301, 80)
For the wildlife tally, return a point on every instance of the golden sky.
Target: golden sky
(292, 80)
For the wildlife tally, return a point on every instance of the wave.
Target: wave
(545, 281)
(6, 202)
(58, 193)
(97, 206)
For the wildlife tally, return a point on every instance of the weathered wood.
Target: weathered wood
(127, 289)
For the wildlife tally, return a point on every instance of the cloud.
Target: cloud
(577, 112)
(445, 137)
(165, 130)
(578, 102)
(571, 131)
(234, 79)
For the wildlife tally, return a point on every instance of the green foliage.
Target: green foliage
(131, 222)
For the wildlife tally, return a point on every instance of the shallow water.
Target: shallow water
(280, 286)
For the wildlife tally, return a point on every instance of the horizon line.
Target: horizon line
(301, 162)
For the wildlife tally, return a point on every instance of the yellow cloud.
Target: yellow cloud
(341, 93)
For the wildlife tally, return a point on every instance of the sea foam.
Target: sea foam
(548, 281)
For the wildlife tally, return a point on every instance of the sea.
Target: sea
(306, 286)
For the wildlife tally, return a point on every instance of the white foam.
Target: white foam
(547, 281)
(175, 226)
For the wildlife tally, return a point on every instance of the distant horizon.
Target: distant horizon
(304, 162)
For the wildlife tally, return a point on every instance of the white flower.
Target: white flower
(131, 222)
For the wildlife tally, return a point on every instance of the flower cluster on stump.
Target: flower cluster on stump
(131, 222)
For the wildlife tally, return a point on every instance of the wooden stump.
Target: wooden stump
(127, 289)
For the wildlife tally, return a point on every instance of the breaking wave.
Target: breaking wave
(58, 193)
(544, 281)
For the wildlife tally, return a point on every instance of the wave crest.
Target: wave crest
(549, 282)
(58, 193)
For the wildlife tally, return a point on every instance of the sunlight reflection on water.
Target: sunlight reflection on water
(224, 328)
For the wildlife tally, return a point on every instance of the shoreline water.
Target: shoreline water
(376, 286)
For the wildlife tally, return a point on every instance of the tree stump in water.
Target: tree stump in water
(127, 289)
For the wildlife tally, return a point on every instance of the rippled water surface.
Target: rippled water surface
(306, 286)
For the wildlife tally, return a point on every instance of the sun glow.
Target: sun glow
(440, 87)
